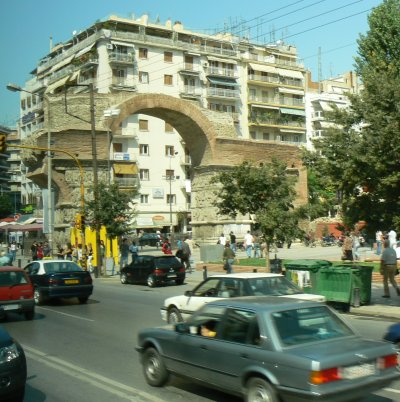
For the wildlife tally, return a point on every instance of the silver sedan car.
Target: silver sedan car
(269, 349)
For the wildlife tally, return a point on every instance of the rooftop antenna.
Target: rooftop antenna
(51, 43)
(319, 71)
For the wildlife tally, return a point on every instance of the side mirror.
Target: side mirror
(182, 328)
(188, 293)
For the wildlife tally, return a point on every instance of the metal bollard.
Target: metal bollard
(356, 297)
(204, 272)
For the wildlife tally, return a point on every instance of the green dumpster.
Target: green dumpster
(304, 273)
(361, 283)
(336, 284)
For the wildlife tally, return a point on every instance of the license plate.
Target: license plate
(11, 307)
(71, 281)
(171, 275)
(362, 370)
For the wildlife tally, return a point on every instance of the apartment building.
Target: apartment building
(321, 96)
(261, 86)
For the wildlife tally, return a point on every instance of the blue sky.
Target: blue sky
(26, 26)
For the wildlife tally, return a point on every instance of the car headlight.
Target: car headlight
(8, 353)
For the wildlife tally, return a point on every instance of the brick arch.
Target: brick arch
(198, 127)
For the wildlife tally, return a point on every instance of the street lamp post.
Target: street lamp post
(15, 88)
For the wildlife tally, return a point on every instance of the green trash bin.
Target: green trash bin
(362, 280)
(336, 284)
(304, 273)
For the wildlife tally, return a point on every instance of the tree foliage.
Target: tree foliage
(6, 206)
(266, 191)
(361, 159)
(113, 209)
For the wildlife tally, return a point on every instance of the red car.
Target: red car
(16, 292)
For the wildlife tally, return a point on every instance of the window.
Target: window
(28, 102)
(119, 73)
(143, 125)
(142, 53)
(242, 327)
(143, 77)
(23, 104)
(169, 150)
(144, 174)
(265, 136)
(167, 79)
(168, 128)
(144, 149)
(168, 57)
(169, 173)
(144, 198)
(171, 199)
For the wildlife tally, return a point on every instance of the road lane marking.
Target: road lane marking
(97, 380)
(66, 314)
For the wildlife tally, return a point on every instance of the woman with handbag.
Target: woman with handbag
(229, 257)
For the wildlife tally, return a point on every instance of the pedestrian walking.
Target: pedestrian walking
(392, 237)
(388, 268)
(222, 239)
(229, 258)
(13, 251)
(248, 243)
(134, 249)
(347, 248)
(232, 240)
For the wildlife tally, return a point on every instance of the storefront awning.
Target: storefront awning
(295, 112)
(290, 73)
(125, 168)
(263, 68)
(222, 81)
(291, 91)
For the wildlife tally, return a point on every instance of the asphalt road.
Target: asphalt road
(86, 353)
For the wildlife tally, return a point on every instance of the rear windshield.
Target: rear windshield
(306, 325)
(165, 262)
(10, 278)
(62, 266)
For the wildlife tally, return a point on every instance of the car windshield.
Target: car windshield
(306, 325)
(61, 266)
(10, 278)
(273, 286)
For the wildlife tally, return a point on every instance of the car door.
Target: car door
(235, 347)
(204, 293)
(134, 269)
(32, 270)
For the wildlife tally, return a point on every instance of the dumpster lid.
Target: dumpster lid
(307, 264)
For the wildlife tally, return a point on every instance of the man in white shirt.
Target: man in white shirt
(222, 239)
(248, 241)
(392, 236)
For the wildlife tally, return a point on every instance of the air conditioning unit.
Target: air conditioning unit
(110, 46)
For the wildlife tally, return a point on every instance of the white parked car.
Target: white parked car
(180, 308)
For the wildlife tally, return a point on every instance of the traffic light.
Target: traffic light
(3, 144)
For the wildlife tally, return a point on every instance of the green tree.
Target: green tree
(6, 206)
(361, 159)
(113, 210)
(266, 191)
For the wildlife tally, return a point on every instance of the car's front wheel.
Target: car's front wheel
(39, 297)
(155, 372)
(124, 278)
(174, 316)
(151, 283)
(259, 390)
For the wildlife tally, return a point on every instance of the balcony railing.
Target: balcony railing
(277, 122)
(191, 90)
(194, 68)
(317, 115)
(86, 80)
(123, 156)
(115, 57)
(278, 100)
(222, 72)
(122, 82)
(263, 78)
(126, 181)
(223, 93)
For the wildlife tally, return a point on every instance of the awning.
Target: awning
(264, 68)
(63, 63)
(115, 42)
(295, 112)
(84, 50)
(325, 106)
(290, 73)
(57, 84)
(288, 130)
(291, 91)
(125, 168)
(265, 106)
(223, 81)
(33, 227)
(222, 60)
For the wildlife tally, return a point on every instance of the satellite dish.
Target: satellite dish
(74, 33)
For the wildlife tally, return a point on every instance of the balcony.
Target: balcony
(120, 58)
(190, 68)
(86, 80)
(223, 93)
(221, 72)
(317, 115)
(279, 121)
(263, 78)
(190, 91)
(123, 156)
(185, 160)
(277, 100)
(123, 82)
(126, 181)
